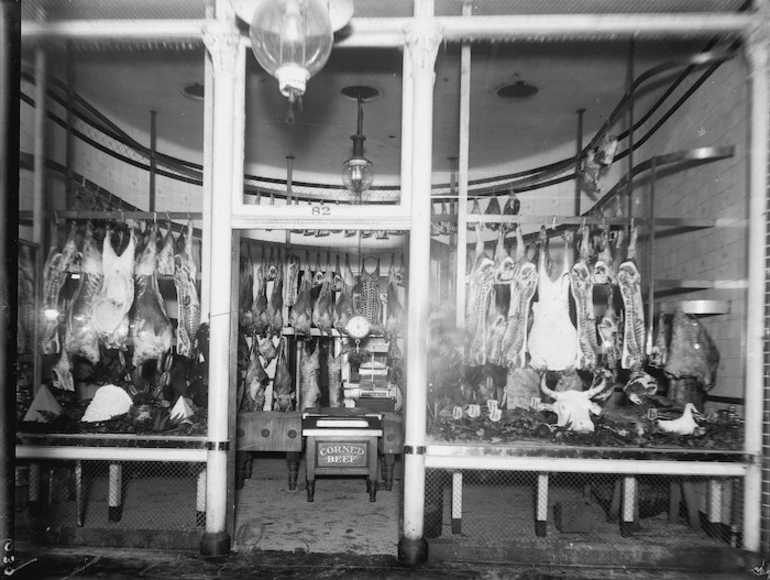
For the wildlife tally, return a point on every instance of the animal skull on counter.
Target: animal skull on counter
(573, 408)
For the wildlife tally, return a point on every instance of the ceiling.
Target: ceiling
(506, 135)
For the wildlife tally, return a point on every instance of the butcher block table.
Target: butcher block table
(628, 462)
(115, 448)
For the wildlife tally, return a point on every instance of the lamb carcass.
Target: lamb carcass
(334, 365)
(292, 279)
(151, 330)
(323, 309)
(394, 325)
(283, 394)
(301, 316)
(246, 290)
(255, 383)
(259, 317)
(81, 336)
(309, 368)
(166, 254)
(553, 339)
(275, 304)
(114, 300)
(185, 281)
(343, 309)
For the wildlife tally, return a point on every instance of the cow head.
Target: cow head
(573, 408)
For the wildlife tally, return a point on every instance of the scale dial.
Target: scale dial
(358, 327)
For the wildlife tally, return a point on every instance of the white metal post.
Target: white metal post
(221, 39)
(757, 56)
(422, 42)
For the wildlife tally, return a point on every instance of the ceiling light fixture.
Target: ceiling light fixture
(518, 91)
(357, 172)
(292, 40)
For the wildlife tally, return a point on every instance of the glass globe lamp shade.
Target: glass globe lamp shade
(291, 40)
(357, 174)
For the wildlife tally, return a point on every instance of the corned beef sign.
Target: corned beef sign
(333, 453)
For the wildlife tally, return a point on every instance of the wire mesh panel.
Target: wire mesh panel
(494, 508)
(109, 494)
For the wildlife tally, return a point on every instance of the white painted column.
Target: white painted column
(753, 508)
(422, 42)
(457, 502)
(38, 203)
(221, 39)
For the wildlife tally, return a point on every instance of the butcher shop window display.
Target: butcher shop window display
(112, 357)
(554, 349)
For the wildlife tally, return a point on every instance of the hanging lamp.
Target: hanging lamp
(292, 40)
(358, 172)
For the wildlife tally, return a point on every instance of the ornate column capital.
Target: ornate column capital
(422, 41)
(222, 42)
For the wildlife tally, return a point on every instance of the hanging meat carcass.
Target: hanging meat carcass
(255, 383)
(608, 333)
(604, 272)
(166, 254)
(582, 286)
(493, 208)
(482, 281)
(275, 305)
(497, 325)
(26, 301)
(511, 207)
(301, 316)
(309, 368)
(371, 305)
(54, 277)
(81, 336)
(292, 280)
(394, 325)
(475, 210)
(523, 289)
(114, 300)
(693, 353)
(505, 266)
(629, 282)
(267, 349)
(283, 395)
(246, 290)
(259, 305)
(185, 281)
(271, 270)
(151, 330)
(62, 372)
(659, 354)
(337, 280)
(323, 309)
(334, 366)
(343, 309)
(318, 274)
(553, 339)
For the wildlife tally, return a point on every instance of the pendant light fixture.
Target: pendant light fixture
(292, 40)
(357, 172)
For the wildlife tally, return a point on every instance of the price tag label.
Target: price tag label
(457, 412)
(495, 415)
(652, 414)
(534, 402)
(474, 411)
(491, 404)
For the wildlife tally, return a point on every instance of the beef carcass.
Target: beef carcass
(522, 288)
(482, 279)
(259, 305)
(323, 309)
(301, 316)
(151, 330)
(292, 280)
(185, 281)
(26, 301)
(246, 290)
(114, 300)
(693, 353)
(343, 309)
(54, 277)
(255, 383)
(283, 395)
(582, 287)
(394, 325)
(629, 282)
(166, 254)
(275, 305)
(553, 339)
(371, 305)
(81, 336)
(309, 369)
(334, 366)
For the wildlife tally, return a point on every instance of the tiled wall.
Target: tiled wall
(716, 115)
